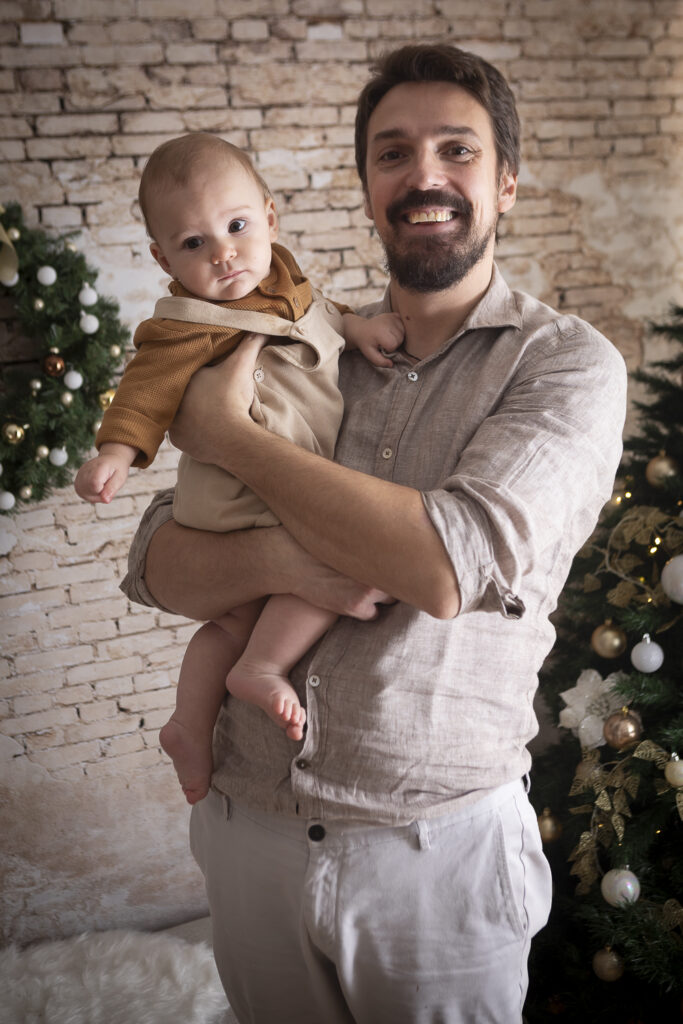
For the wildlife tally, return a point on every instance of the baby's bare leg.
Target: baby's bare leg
(286, 629)
(210, 655)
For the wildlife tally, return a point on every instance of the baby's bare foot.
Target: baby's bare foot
(191, 756)
(271, 692)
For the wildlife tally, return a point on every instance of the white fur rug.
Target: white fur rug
(115, 977)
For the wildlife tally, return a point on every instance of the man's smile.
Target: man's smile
(429, 216)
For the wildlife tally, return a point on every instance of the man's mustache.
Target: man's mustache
(416, 199)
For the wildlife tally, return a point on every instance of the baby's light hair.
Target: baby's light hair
(173, 163)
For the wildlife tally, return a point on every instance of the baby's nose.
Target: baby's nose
(222, 251)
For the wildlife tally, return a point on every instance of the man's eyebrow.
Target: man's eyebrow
(443, 130)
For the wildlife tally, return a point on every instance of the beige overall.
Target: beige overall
(295, 396)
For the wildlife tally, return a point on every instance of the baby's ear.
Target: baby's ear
(160, 258)
(271, 215)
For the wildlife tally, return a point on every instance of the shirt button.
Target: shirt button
(316, 833)
(314, 680)
(301, 763)
(259, 375)
(412, 375)
(387, 453)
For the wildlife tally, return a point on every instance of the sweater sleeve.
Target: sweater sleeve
(154, 381)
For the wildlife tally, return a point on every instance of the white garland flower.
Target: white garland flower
(589, 703)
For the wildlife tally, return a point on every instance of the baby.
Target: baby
(213, 225)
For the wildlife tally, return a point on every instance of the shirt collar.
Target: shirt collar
(496, 309)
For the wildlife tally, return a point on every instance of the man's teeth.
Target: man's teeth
(429, 216)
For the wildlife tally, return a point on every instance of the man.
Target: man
(388, 869)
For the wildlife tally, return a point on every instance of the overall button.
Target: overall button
(316, 833)
(259, 375)
(413, 376)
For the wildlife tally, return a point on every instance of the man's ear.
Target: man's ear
(271, 216)
(367, 209)
(507, 191)
(160, 258)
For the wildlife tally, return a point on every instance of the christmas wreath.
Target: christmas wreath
(51, 403)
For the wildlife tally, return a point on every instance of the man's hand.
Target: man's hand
(216, 404)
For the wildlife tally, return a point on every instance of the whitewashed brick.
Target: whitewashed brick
(41, 33)
(127, 763)
(74, 753)
(250, 30)
(94, 673)
(36, 722)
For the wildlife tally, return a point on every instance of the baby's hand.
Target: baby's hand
(376, 336)
(99, 479)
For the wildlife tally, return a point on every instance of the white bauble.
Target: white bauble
(89, 323)
(672, 579)
(87, 295)
(58, 456)
(9, 282)
(73, 380)
(7, 500)
(647, 656)
(47, 275)
(620, 886)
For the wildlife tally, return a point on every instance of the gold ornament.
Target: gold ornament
(608, 641)
(14, 234)
(106, 398)
(70, 246)
(622, 729)
(25, 492)
(115, 351)
(549, 826)
(38, 305)
(608, 965)
(673, 772)
(13, 433)
(42, 452)
(66, 398)
(54, 365)
(96, 426)
(660, 469)
(35, 386)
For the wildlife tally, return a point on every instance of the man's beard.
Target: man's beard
(433, 263)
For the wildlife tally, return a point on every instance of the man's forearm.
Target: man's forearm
(203, 575)
(369, 529)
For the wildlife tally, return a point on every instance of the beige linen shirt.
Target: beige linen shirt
(512, 432)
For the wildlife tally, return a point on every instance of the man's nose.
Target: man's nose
(425, 171)
(222, 250)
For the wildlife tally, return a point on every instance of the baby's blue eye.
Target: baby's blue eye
(237, 225)
(192, 243)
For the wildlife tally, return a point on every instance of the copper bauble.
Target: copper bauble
(608, 965)
(54, 365)
(549, 826)
(608, 641)
(622, 729)
(660, 469)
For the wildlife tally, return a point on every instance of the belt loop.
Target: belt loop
(227, 809)
(423, 835)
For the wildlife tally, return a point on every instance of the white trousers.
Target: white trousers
(318, 922)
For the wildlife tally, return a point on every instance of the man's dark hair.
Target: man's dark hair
(443, 63)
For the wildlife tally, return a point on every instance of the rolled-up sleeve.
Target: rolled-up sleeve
(535, 474)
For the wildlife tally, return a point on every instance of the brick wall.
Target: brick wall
(88, 89)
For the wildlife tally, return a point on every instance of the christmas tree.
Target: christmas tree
(609, 794)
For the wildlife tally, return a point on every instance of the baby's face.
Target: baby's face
(214, 234)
